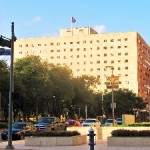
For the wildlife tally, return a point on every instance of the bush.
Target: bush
(3, 125)
(52, 133)
(130, 133)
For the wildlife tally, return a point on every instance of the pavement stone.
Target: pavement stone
(100, 145)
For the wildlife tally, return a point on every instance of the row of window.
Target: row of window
(77, 42)
(78, 56)
(98, 69)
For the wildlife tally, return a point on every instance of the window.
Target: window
(111, 47)
(78, 63)
(84, 62)
(64, 50)
(91, 55)
(51, 43)
(91, 62)
(71, 42)
(119, 61)
(39, 44)
(112, 54)
(78, 56)
(78, 42)
(125, 46)
(91, 69)
(84, 56)
(26, 45)
(105, 62)
(84, 42)
(126, 39)
(91, 42)
(126, 75)
(64, 43)
(105, 55)
(111, 40)
(98, 76)
(119, 39)
(98, 48)
(58, 57)
(98, 55)
(71, 56)
(71, 50)
(119, 46)
(52, 50)
(119, 54)
(78, 49)
(32, 45)
(126, 54)
(119, 68)
(20, 45)
(20, 52)
(97, 41)
(126, 60)
(112, 61)
(105, 47)
(98, 69)
(84, 49)
(64, 57)
(105, 40)
(98, 62)
(126, 68)
(58, 50)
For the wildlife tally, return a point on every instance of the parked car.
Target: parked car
(119, 120)
(73, 123)
(50, 123)
(18, 131)
(91, 122)
(109, 122)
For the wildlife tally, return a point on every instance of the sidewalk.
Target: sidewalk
(100, 145)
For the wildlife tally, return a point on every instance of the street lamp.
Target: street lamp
(112, 89)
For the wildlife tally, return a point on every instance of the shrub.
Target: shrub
(52, 133)
(3, 125)
(130, 133)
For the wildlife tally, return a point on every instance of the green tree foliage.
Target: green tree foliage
(4, 87)
(125, 101)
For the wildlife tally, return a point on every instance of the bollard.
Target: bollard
(91, 138)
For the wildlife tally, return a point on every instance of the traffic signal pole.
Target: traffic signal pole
(11, 90)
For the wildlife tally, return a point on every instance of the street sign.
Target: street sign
(4, 51)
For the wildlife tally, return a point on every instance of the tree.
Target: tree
(125, 101)
(29, 80)
(4, 87)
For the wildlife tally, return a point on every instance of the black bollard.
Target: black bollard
(91, 138)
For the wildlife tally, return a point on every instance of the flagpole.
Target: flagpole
(71, 27)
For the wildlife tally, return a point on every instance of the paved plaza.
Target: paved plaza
(100, 145)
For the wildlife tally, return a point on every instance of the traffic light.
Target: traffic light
(5, 42)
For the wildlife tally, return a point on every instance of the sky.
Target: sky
(43, 18)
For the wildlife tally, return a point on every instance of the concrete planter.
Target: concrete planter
(129, 141)
(56, 141)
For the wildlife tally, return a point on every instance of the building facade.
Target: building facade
(87, 52)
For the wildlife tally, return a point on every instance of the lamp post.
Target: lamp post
(11, 90)
(112, 89)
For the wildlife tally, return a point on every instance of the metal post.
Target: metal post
(11, 90)
(112, 85)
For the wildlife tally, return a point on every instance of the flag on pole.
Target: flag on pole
(73, 20)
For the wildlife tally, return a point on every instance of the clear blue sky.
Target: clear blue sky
(38, 18)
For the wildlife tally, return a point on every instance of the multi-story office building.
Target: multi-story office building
(87, 52)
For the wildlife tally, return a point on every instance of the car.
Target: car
(109, 122)
(18, 131)
(50, 123)
(44, 122)
(119, 120)
(91, 122)
(73, 123)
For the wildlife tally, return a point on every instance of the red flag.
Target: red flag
(73, 20)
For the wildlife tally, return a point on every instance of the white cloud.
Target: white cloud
(35, 20)
(100, 28)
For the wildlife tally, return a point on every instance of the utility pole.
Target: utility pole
(11, 90)
(112, 89)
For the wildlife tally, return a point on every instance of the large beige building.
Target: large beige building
(87, 52)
